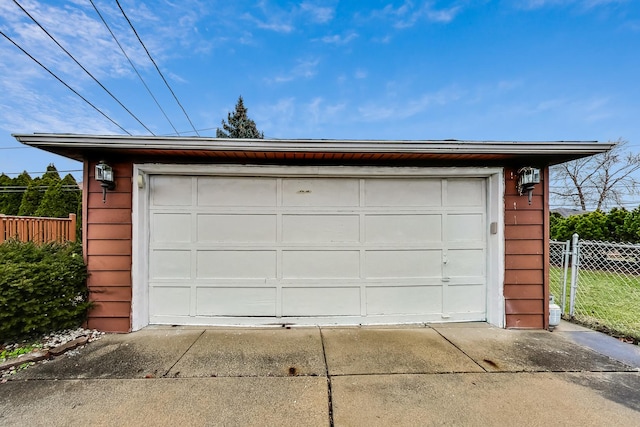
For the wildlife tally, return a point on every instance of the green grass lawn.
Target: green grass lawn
(605, 301)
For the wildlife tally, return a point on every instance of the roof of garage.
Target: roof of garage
(440, 152)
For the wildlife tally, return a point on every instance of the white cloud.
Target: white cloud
(584, 4)
(290, 117)
(77, 27)
(306, 69)
(387, 110)
(339, 40)
(360, 74)
(320, 14)
(272, 18)
(408, 14)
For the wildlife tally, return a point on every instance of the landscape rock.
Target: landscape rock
(34, 356)
(56, 351)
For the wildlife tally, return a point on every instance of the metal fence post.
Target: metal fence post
(565, 266)
(574, 272)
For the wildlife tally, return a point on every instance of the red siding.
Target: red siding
(526, 257)
(107, 244)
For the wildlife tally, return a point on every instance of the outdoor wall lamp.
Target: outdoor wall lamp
(104, 174)
(528, 177)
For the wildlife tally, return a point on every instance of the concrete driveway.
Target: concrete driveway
(453, 374)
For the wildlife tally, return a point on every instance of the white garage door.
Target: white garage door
(225, 250)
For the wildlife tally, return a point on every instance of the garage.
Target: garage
(316, 246)
(216, 231)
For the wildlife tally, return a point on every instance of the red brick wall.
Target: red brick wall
(526, 255)
(107, 248)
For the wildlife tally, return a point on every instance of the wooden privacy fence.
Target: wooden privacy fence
(38, 230)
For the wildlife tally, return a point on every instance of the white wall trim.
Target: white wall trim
(495, 250)
(140, 218)
(140, 247)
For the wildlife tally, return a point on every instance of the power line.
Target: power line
(157, 68)
(42, 188)
(31, 173)
(14, 148)
(63, 82)
(188, 131)
(83, 68)
(133, 66)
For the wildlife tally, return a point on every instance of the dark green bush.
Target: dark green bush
(618, 225)
(42, 288)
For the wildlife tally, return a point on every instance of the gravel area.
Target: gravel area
(47, 345)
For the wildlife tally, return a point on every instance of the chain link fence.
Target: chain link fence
(597, 284)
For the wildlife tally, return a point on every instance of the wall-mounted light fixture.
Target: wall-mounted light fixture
(528, 177)
(104, 174)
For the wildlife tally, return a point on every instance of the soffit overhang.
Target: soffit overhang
(313, 151)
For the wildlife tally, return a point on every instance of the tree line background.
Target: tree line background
(44, 196)
(618, 225)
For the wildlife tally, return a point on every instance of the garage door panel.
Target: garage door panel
(171, 191)
(219, 191)
(168, 264)
(465, 227)
(465, 299)
(328, 301)
(166, 227)
(320, 228)
(466, 262)
(403, 264)
(389, 300)
(405, 228)
(403, 192)
(318, 192)
(236, 264)
(169, 301)
(237, 228)
(320, 264)
(465, 192)
(233, 301)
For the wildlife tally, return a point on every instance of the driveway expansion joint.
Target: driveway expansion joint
(185, 352)
(329, 391)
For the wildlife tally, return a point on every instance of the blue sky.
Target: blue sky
(466, 69)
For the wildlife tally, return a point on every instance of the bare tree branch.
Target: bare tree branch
(597, 181)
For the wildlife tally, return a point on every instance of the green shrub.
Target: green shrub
(619, 225)
(42, 288)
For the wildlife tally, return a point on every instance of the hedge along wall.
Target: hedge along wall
(42, 288)
(107, 248)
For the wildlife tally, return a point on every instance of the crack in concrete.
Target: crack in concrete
(326, 367)
(460, 350)
(185, 352)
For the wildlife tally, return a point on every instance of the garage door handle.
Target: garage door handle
(446, 279)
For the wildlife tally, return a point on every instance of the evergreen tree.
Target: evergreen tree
(31, 198)
(5, 181)
(52, 204)
(72, 195)
(51, 174)
(239, 124)
(11, 201)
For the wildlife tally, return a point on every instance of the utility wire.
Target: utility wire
(83, 68)
(31, 173)
(42, 188)
(62, 81)
(133, 66)
(188, 131)
(157, 68)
